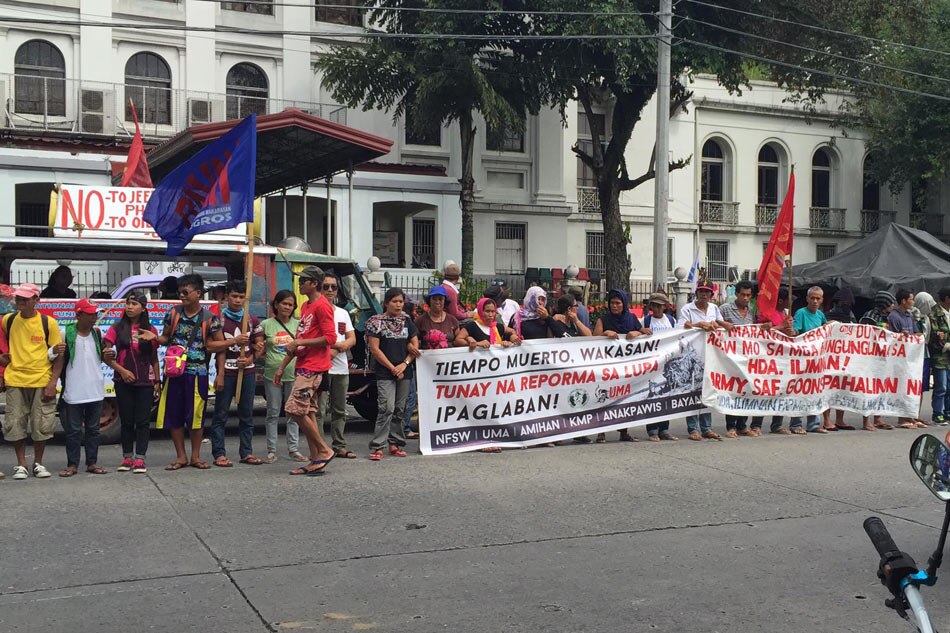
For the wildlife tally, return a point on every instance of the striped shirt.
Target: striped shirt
(730, 313)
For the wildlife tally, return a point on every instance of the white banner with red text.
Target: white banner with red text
(554, 389)
(860, 368)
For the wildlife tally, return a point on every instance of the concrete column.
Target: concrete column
(297, 74)
(547, 149)
(201, 74)
(95, 43)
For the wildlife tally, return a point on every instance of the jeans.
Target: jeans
(222, 403)
(276, 396)
(392, 407)
(938, 397)
(135, 412)
(775, 425)
(737, 422)
(333, 408)
(658, 427)
(76, 419)
(410, 404)
(702, 420)
(813, 422)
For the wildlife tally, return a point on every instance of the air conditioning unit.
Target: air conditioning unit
(96, 112)
(201, 111)
(749, 275)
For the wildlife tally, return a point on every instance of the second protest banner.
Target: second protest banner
(859, 368)
(548, 390)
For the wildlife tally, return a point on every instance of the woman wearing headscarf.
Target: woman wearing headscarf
(566, 322)
(532, 320)
(484, 330)
(618, 322)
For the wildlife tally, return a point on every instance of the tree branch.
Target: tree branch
(627, 184)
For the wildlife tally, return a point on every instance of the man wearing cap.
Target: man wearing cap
(739, 312)
(451, 281)
(316, 333)
(659, 320)
(32, 370)
(83, 390)
(702, 314)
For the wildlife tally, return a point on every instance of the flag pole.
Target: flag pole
(249, 277)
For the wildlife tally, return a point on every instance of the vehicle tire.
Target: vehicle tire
(110, 430)
(366, 404)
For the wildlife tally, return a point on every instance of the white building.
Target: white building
(65, 88)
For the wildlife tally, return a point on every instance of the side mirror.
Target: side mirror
(930, 459)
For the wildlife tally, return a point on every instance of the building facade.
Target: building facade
(66, 83)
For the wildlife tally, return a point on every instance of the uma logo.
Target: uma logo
(578, 398)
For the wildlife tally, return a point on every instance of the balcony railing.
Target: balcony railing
(826, 218)
(930, 222)
(766, 215)
(86, 107)
(872, 220)
(588, 200)
(716, 212)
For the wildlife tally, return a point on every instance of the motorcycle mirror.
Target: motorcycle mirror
(930, 459)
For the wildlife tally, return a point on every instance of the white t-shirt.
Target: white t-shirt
(84, 381)
(340, 363)
(659, 324)
(507, 309)
(691, 313)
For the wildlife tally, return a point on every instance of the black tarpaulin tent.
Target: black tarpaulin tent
(892, 257)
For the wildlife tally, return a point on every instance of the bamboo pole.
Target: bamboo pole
(249, 277)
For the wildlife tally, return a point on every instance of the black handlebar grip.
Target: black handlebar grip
(880, 538)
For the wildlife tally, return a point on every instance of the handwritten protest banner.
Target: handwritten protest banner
(548, 390)
(859, 368)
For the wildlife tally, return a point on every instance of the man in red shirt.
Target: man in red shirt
(316, 332)
(451, 281)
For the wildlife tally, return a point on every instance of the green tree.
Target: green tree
(438, 80)
(620, 74)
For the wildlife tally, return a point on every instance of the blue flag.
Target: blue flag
(212, 190)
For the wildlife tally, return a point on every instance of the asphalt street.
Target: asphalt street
(747, 535)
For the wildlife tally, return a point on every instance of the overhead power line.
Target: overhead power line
(866, 38)
(267, 3)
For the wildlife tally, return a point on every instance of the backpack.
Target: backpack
(176, 356)
(649, 318)
(9, 324)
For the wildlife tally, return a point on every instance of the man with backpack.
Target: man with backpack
(191, 334)
(659, 320)
(32, 371)
(83, 390)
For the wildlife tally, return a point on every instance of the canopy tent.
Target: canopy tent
(293, 148)
(892, 257)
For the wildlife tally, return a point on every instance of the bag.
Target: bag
(176, 356)
(43, 319)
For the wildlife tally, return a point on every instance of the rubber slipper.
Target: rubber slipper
(69, 471)
(346, 454)
(175, 466)
(844, 427)
(818, 430)
(95, 469)
(253, 461)
(830, 428)
(629, 438)
(221, 462)
(200, 465)
(884, 426)
(376, 456)
(412, 435)
(323, 463)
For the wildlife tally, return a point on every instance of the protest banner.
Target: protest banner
(548, 390)
(859, 368)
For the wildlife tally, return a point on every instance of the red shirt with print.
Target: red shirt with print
(316, 320)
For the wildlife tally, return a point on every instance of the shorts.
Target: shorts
(28, 415)
(183, 402)
(303, 396)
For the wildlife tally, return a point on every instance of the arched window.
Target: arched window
(40, 79)
(821, 179)
(148, 83)
(768, 185)
(871, 194)
(713, 176)
(247, 91)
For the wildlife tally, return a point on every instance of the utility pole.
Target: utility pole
(662, 160)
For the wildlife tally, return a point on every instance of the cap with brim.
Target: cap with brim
(659, 298)
(705, 287)
(310, 272)
(87, 306)
(437, 291)
(27, 291)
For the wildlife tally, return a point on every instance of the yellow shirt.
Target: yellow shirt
(29, 365)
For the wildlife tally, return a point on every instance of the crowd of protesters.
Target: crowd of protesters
(305, 363)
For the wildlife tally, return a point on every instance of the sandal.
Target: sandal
(176, 466)
(733, 433)
(695, 436)
(884, 426)
(96, 469)
(396, 451)
(799, 431)
(746, 432)
(712, 435)
(844, 427)
(298, 457)
(376, 455)
(653, 438)
(669, 437)
(490, 449)
(870, 427)
(818, 430)
(601, 438)
(200, 465)
(920, 424)
(626, 437)
(412, 435)
(907, 425)
(221, 462)
(782, 431)
(253, 461)
(345, 454)
(69, 471)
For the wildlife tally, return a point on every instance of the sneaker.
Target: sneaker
(20, 472)
(940, 420)
(139, 467)
(125, 466)
(40, 472)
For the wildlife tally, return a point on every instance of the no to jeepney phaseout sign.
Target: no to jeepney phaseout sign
(859, 368)
(554, 389)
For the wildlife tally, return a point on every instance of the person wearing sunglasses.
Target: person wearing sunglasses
(332, 403)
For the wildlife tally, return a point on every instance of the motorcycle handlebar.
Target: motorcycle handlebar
(881, 538)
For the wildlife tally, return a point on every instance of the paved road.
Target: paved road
(748, 535)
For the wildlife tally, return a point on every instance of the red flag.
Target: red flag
(773, 263)
(136, 168)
